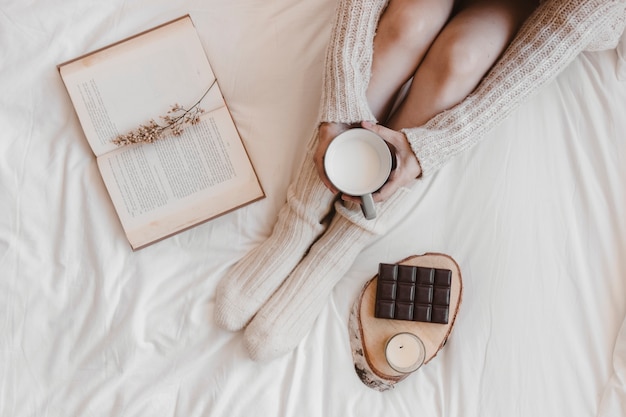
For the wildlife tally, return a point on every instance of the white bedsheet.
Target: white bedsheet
(534, 215)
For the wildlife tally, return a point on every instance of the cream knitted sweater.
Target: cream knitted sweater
(548, 41)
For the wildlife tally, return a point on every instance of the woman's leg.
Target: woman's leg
(405, 32)
(460, 56)
(286, 318)
(251, 282)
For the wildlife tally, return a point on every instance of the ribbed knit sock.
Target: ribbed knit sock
(289, 314)
(251, 282)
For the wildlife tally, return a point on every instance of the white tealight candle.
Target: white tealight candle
(405, 352)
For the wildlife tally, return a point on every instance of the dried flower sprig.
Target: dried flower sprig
(174, 122)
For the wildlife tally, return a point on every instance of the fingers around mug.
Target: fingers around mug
(347, 197)
(367, 207)
(401, 177)
(390, 135)
(386, 191)
(318, 159)
(399, 146)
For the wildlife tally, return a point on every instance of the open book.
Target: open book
(176, 182)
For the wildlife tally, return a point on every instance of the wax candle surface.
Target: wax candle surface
(405, 352)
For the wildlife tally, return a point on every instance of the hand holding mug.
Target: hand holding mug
(407, 165)
(358, 162)
(406, 170)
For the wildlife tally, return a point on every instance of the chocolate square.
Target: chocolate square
(406, 273)
(440, 314)
(404, 311)
(406, 292)
(425, 275)
(386, 291)
(441, 296)
(385, 309)
(443, 277)
(424, 294)
(422, 312)
(388, 271)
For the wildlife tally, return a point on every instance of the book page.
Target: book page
(176, 182)
(116, 89)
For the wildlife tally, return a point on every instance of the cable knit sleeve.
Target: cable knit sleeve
(349, 61)
(550, 39)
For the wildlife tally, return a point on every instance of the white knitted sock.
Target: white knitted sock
(289, 314)
(256, 276)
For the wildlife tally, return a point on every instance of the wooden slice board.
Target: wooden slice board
(369, 335)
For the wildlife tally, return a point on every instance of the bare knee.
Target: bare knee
(459, 58)
(413, 24)
(467, 47)
(450, 72)
(454, 60)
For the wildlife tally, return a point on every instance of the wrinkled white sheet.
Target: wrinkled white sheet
(534, 215)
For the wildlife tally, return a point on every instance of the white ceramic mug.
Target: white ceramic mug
(358, 162)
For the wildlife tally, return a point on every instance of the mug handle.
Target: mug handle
(367, 206)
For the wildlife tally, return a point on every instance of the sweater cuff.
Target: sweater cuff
(348, 62)
(429, 147)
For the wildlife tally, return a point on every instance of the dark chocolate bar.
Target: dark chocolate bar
(406, 292)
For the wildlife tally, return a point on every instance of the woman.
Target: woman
(442, 49)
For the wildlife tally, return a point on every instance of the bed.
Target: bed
(533, 215)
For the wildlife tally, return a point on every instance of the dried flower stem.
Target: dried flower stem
(174, 121)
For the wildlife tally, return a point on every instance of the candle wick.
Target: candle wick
(401, 346)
